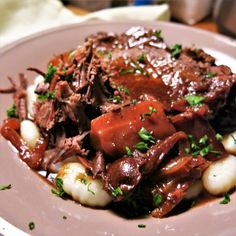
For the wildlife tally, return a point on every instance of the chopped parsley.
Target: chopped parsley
(49, 95)
(226, 199)
(11, 112)
(147, 140)
(120, 88)
(211, 74)
(89, 189)
(157, 199)
(128, 151)
(187, 151)
(203, 140)
(117, 191)
(135, 68)
(149, 113)
(205, 150)
(157, 33)
(194, 100)
(84, 181)
(115, 99)
(202, 147)
(141, 225)
(234, 139)
(126, 71)
(142, 146)
(124, 89)
(146, 135)
(216, 153)
(141, 58)
(59, 184)
(219, 137)
(50, 73)
(176, 50)
(31, 225)
(140, 70)
(4, 187)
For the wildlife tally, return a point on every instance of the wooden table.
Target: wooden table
(206, 24)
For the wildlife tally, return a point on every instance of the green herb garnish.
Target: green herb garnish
(202, 147)
(31, 225)
(187, 151)
(219, 137)
(126, 71)
(194, 100)
(211, 74)
(140, 70)
(59, 184)
(49, 95)
(146, 135)
(124, 89)
(157, 33)
(141, 58)
(115, 99)
(11, 112)
(89, 189)
(84, 181)
(50, 73)
(117, 191)
(147, 138)
(4, 187)
(157, 199)
(203, 140)
(141, 225)
(142, 146)
(149, 113)
(176, 50)
(226, 199)
(128, 151)
(205, 150)
(216, 153)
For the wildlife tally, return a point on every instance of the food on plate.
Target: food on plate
(128, 122)
(220, 176)
(82, 187)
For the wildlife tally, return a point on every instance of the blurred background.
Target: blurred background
(19, 18)
(215, 15)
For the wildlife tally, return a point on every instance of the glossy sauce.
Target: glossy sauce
(112, 132)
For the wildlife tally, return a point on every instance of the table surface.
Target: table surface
(206, 24)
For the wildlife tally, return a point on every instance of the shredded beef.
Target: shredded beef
(45, 117)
